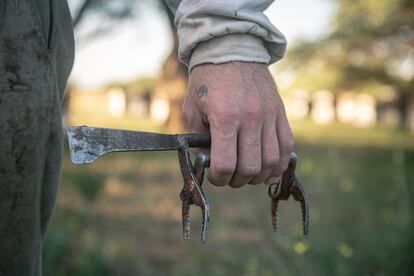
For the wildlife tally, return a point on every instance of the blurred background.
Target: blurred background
(347, 83)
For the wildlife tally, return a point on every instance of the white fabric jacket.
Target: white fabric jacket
(218, 31)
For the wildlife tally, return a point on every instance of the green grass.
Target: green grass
(305, 131)
(126, 220)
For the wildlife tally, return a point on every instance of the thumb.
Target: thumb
(194, 123)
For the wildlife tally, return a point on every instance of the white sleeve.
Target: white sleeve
(218, 31)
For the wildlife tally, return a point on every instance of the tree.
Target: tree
(110, 14)
(371, 44)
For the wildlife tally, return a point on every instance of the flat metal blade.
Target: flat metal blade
(88, 143)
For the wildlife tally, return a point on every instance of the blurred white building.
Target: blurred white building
(345, 107)
(323, 109)
(365, 113)
(297, 104)
(356, 109)
(160, 110)
(116, 102)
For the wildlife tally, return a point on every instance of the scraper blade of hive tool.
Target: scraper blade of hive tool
(88, 143)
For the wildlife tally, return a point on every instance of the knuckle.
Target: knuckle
(225, 117)
(254, 112)
(185, 115)
(278, 171)
(288, 146)
(270, 106)
(224, 168)
(216, 181)
(270, 160)
(250, 170)
(283, 166)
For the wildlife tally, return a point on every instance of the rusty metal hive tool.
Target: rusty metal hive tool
(286, 186)
(192, 193)
(88, 143)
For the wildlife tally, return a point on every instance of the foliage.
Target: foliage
(370, 41)
(106, 15)
(67, 250)
(87, 185)
(141, 85)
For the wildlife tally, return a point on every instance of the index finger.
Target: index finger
(223, 153)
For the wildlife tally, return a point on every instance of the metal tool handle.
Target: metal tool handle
(202, 162)
(197, 140)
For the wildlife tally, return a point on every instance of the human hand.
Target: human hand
(238, 103)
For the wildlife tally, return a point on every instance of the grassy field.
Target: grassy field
(121, 215)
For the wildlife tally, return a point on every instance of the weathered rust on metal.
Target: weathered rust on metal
(192, 192)
(88, 143)
(289, 185)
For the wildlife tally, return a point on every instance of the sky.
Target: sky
(139, 46)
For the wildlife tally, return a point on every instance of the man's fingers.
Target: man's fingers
(249, 152)
(270, 151)
(285, 144)
(235, 100)
(223, 154)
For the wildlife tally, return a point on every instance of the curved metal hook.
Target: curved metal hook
(192, 192)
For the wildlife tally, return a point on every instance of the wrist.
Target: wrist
(228, 48)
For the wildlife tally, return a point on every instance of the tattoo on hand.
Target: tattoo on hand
(202, 91)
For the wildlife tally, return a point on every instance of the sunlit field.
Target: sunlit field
(122, 216)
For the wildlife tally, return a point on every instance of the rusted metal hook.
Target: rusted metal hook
(282, 189)
(192, 192)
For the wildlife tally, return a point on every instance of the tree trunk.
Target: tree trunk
(173, 81)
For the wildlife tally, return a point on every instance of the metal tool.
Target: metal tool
(192, 193)
(282, 189)
(88, 143)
